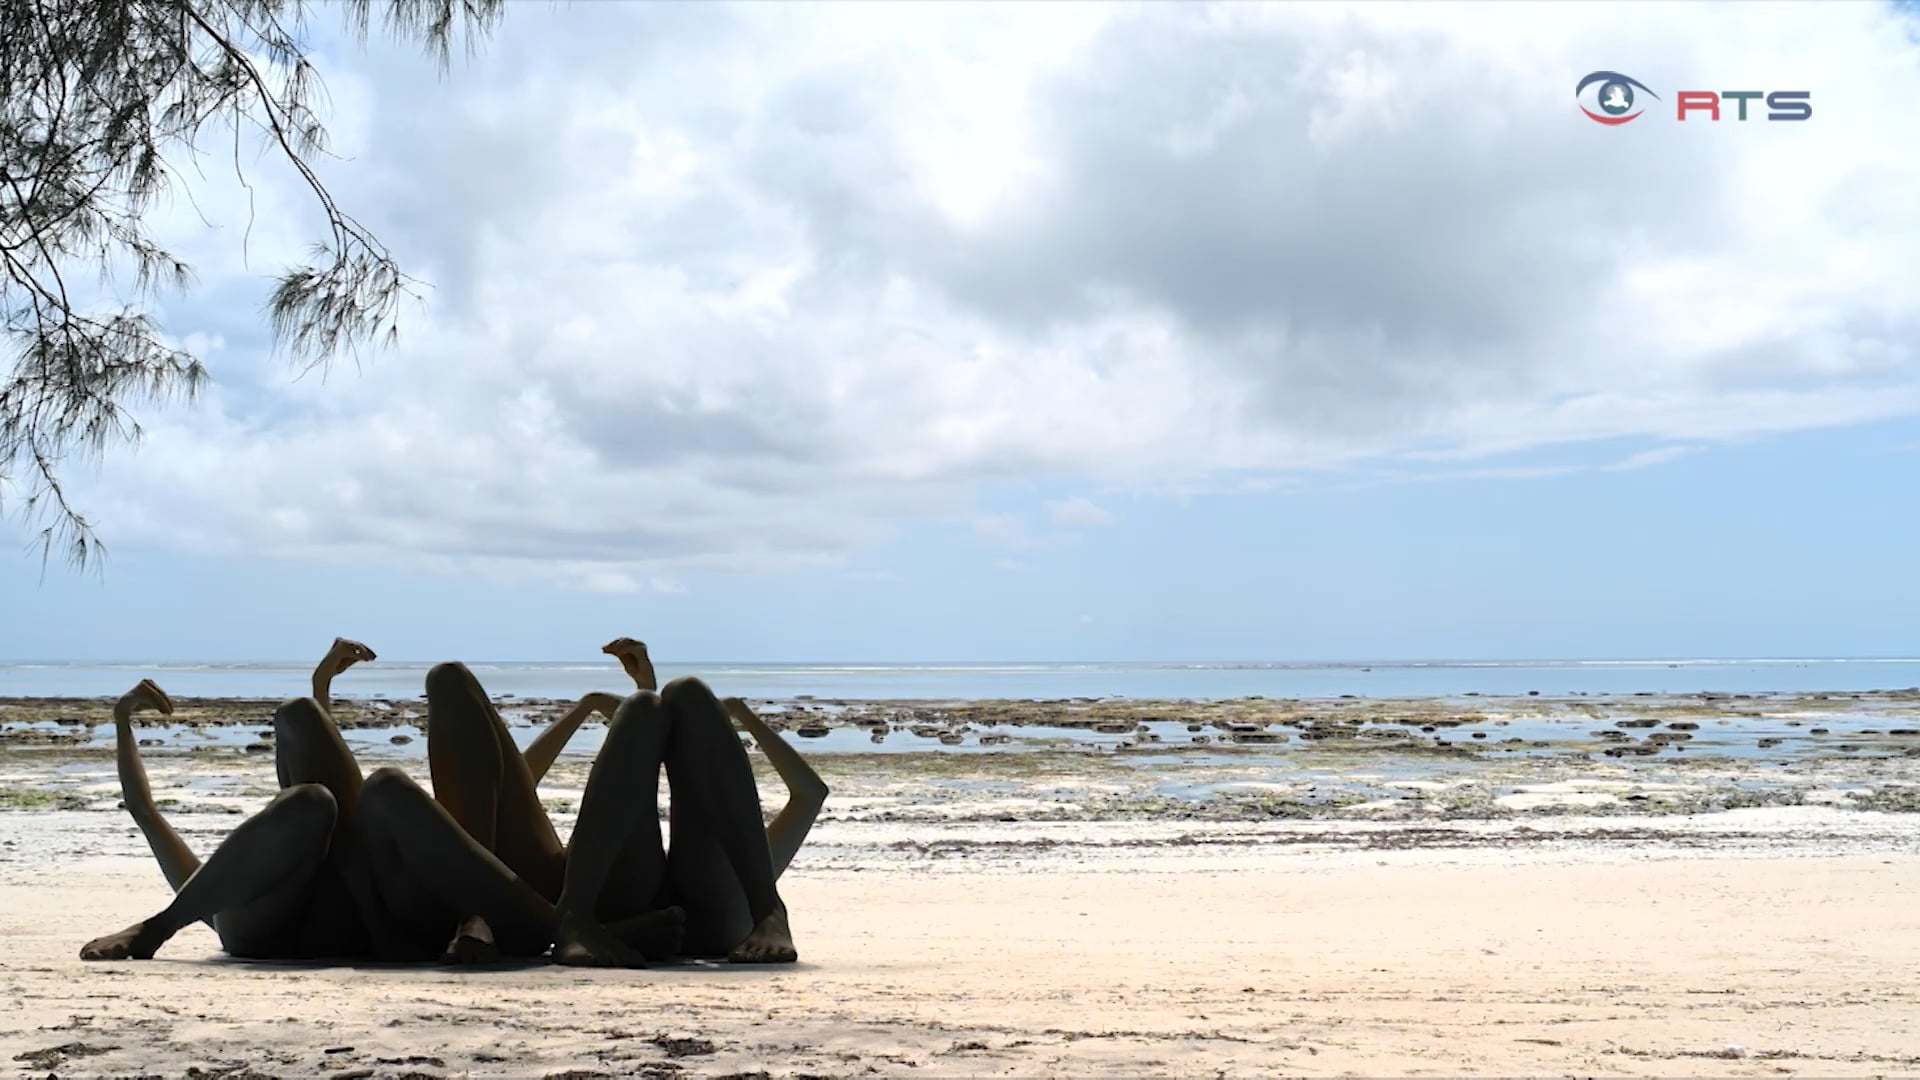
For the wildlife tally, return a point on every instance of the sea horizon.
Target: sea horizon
(1011, 679)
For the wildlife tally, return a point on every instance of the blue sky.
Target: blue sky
(1057, 333)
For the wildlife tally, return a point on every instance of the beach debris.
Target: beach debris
(54, 1056)
(681, 1046)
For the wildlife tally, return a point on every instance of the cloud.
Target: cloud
(776, 281)
(608, 581)
(1078, 511)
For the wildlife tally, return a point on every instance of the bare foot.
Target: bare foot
(128, 944)
(633, 657)
(657, 934)
(345, 653)
(146, 696)
(583, 943)
(770, 943)
(472, 944)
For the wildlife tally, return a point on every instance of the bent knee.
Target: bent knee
(312, 805)
(687, 688)
(389, 797)
(384, 782)
(638, 703)
(298, 715)
(450, 677)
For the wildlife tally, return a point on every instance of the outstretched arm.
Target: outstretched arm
(807, 793)
(546, 746)
(341, 655)
(177, 861)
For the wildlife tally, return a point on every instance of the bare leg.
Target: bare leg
(482, 780)
(621, 801)
(252, 889)
(806, 792)
(341, 655)
(546, 746)
(686, 729)
(308, 749)
(429, 869)
(489, 791)
(177, 861)
(307, 755)
(345, 916)
(709, 775)
(432, 873)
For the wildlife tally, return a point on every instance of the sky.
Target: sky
(1053, 332)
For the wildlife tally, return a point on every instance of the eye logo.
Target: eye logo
(1614, 97)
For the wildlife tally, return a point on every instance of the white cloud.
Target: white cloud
(608, 581)
(1078, 511)
(788, 277)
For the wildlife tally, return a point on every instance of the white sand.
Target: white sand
(1767, 953)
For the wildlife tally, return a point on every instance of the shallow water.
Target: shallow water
(1518, 736)
(960, 681)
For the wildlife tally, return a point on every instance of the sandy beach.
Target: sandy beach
(1750, 943)
(1095, 888)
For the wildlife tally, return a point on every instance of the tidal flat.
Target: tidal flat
(1082, 759)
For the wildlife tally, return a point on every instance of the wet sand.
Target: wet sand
(1748, 943)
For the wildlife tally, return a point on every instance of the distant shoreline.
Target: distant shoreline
(1183, 680)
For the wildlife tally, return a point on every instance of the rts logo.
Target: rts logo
(1617, 103)
(1615, 97)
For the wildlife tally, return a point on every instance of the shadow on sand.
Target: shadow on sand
(695, 966)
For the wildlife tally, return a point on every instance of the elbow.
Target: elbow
(813, 791)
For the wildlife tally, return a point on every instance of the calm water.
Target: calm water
(856, 681)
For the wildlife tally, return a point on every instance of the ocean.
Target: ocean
(1198, 680)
